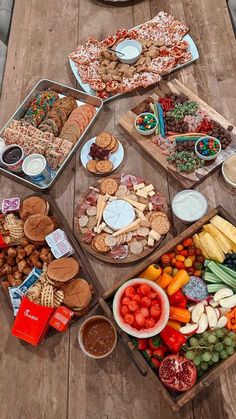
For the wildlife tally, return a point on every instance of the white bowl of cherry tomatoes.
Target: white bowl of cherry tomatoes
(141, 308)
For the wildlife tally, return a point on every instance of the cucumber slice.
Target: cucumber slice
(229, 271)
(221, 274)
(210, 277)
(211, 288)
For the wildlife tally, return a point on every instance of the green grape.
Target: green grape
(223, 354)
(197, 361)
(201, 342)
(218, 347)
(210, 363)
(205, 335)
(219, 333)
(190, 355)
(228, 341)
(204, 366)
(212, 339)
(234, 345)
(206, 356)
(215, 357)
(193, 342)
(232, 335)
(229, 350)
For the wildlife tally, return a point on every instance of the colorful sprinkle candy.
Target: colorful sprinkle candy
(146, 122)
(208, 147)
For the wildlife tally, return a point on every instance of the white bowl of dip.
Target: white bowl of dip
(229, 170)
(189, 205)
(132, 50)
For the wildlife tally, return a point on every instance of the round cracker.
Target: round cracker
(110, 240)
(104, 166)
(104, 139)
(83, 221)
(161, 225)
(136, 248)
(109, 186)
(91, 211)
(112, 144)
(99, 243)
(143, 231)
(92, 166)
(92, 222)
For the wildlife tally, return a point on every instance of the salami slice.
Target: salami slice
(120, 252)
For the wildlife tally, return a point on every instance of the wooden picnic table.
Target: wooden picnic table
(55, 380)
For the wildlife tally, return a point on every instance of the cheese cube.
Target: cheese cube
(139, 186)
(150, 206)
(151, 193)
(150, 241)
(148, 188)
(154, 235)
(142, 193)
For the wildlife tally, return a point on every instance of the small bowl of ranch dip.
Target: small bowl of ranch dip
(131, 49)
(189, 205)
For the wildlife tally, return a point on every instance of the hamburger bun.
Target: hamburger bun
(37, 227)
(77, 294)
(33, 205)
(63, 269)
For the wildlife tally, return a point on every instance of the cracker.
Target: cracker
(115, 148)
(143, 231)
(112, 144)
(143, 200)
(110, 240)
(128, 236)
(58, 298)
(104, 139)
(104, 166)
(92, 166)
(99, 243)
(92, 211)
(109, 186)
(136, 248)
(160, 224)
(144, 243)
(145, 223)
(47, 296)
(83, 221)
(92, 222)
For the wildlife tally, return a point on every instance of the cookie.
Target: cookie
(99, 243)
(104, 166)
(109, 186)
(91, 166)
(104, 139)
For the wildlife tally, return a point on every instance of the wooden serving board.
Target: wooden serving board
(176, 401)
(103, 256)
(186, 180)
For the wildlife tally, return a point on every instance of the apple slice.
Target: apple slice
(212, 317)
(190, 308)
(224, 310)
(229, 302)
(223, 293)
(218, 313)
(221, 322)
(198, 310)
(203, 323)
(189, 329)
(213, 303)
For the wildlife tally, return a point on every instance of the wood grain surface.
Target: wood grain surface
(55, 380)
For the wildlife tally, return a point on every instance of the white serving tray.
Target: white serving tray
(86, 87)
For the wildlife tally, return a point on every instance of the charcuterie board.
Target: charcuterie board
(115, 220)
(185, 179)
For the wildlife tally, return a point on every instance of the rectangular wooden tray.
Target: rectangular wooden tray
(188, 180)
(63, 90)
(85, 270)
(175, 401)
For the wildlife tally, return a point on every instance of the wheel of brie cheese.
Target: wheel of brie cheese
(118, 214)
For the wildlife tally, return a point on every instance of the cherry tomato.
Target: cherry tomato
(187, 242)
(179, 265)
(129, 318)
(125, 301)
(155, 363)
(184, 253)
(130, 292)
(173, 261)
(165, 259)
(137, 298)
(180, 258)
(152, 295)
(159, 352)
(168, 269)
(133, 306)
(198, 252)
(155, 312)
(139, 292)
(124, 310)
(145, 289)
(200, 259)
(197, 273)
(155, 303)
(140, 319)
(149, 322)
(179, 247)
(144, 311)
(146, 301)
(190, 270)
(172, 255)
(192, 250)
(141, 344)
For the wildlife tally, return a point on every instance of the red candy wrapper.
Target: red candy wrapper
(61, 318)
(32, 322)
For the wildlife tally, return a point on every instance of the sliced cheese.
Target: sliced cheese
(151, 193)
(150, 206)
(139, 186)
(113, 198)
(141, 215)
(131, 227)
(150, 241)
(118, 214)
(148, 188)
(154, 235)
(142, 193)
(138, 205)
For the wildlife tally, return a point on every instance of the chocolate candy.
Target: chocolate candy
(208, 147)
(146, 122)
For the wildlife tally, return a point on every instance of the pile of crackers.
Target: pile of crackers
(105, 141)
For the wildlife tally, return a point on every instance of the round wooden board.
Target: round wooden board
(103, 256)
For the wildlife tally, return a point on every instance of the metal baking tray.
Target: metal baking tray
(63, 90)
